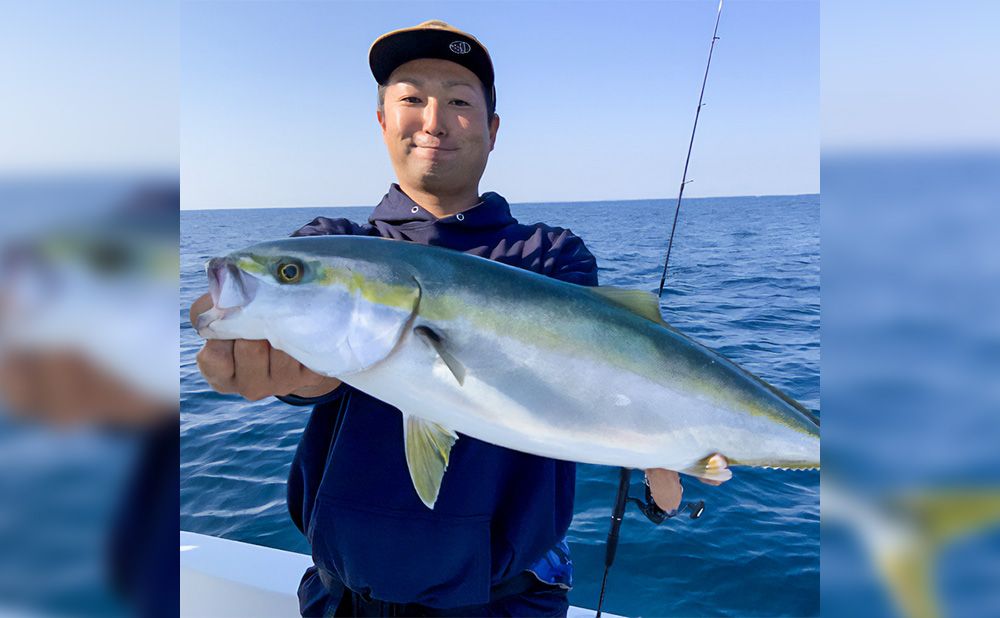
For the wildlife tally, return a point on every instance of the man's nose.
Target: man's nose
(434, 122)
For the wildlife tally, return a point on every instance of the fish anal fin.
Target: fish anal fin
(715, 467)
(908, 575)
(434, 340)
(428, 449)
(644, 304)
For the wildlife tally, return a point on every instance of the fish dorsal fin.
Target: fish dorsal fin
(645, 304)
(434, 340)
(428, 448)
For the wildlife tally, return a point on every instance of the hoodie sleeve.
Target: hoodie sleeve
(568, 259)
(324, 226)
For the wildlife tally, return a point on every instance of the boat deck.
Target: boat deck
(222, 578)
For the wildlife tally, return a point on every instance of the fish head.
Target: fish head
(336, 314)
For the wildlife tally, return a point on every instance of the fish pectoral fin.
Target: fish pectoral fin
(644, 304)
(428, 447)
(433, 339)
(715, 467)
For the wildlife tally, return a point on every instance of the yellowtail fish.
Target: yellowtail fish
(462, 344)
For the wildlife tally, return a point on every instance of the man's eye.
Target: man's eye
(410, 99)
(460, 102)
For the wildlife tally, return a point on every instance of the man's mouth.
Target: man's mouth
(433, 153)
(435, 147)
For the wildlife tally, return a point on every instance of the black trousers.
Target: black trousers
(523, 595)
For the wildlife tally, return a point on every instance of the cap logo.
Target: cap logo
(460, 47)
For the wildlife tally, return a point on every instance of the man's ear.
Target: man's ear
(380, 116)
(494, 127)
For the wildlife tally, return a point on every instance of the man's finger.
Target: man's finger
(17, 382)
(65, 379)
(217, 365)
(252, 359)
(666, 488)
(286, 372)
(200, 306)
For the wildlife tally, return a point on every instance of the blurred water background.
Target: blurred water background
(88, 388)
(911, 305)
(911, 379)
(744, 279)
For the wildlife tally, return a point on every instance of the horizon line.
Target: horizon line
(639, 199)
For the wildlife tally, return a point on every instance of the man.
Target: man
(493, 545)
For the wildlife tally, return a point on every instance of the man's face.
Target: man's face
(434, 125)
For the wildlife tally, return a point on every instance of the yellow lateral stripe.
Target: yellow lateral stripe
(374, 291)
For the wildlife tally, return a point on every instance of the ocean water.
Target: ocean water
(744, 279)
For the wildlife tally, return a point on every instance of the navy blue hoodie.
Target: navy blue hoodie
(349, 490)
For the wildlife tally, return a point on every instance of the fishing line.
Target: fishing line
(650, 509)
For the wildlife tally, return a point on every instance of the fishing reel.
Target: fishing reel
(655, 514)
(649, 508)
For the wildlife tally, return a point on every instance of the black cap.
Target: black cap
(431, 39)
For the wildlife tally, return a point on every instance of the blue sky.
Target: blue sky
(596, 99)
(88, 87)
(276, 104)
(913, 75)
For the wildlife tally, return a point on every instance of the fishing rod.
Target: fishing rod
(649, 508)
(687, 161)
(694, 129)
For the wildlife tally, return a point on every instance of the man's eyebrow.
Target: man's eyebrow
(406, 79)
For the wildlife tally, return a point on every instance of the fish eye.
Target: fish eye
(109, 258)
(289, 272)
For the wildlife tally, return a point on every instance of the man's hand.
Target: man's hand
(61, 387)
(253, 369)
(666, 488)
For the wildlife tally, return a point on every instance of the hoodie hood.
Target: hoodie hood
(397, 210)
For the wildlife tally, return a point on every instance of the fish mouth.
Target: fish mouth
(231, 290)
(203, 325)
